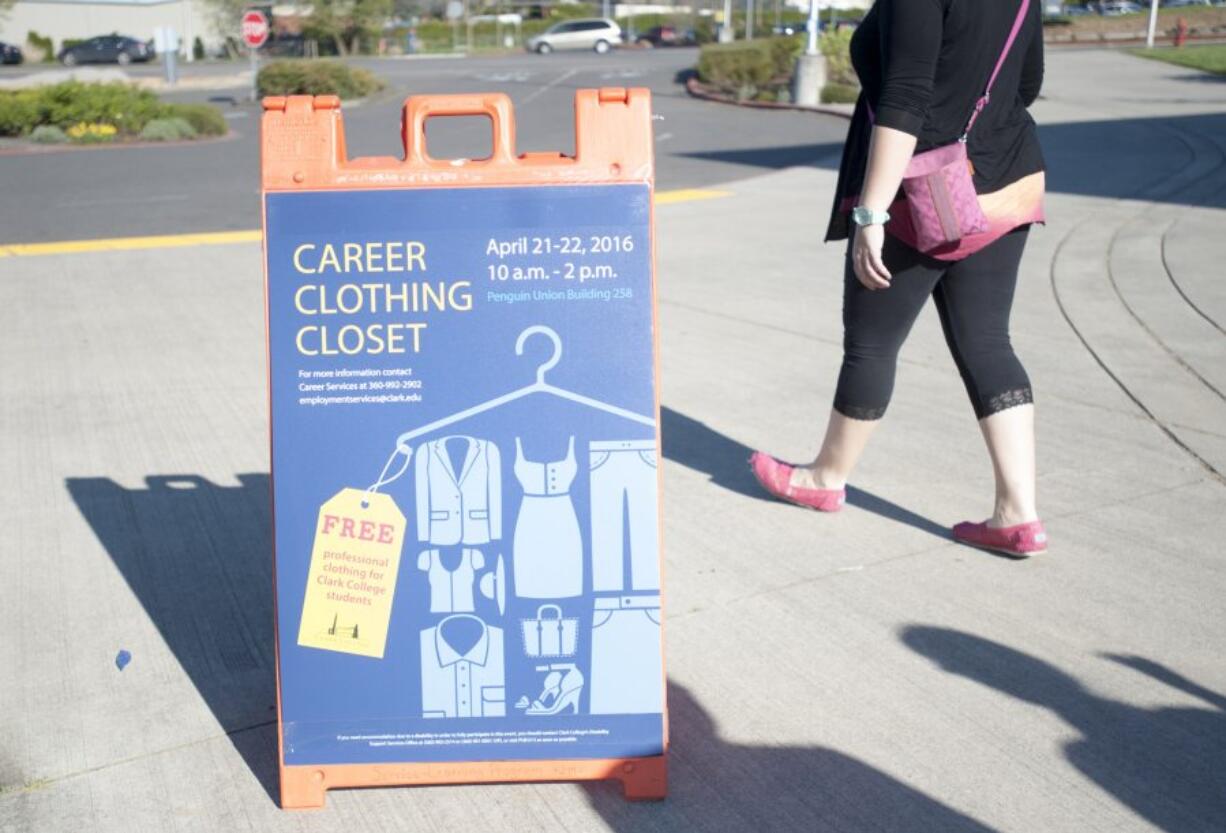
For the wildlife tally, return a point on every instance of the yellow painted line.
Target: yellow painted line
(689, 195)
(125, 244)
(224, 238)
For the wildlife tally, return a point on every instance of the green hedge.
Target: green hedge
(835, 45)
(205, 119)
(834, 93)
(42, 43)
(124, 107)
(315, 77)
(167, 130)
(756, 69)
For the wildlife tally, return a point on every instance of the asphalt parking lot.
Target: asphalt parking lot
(213, 186)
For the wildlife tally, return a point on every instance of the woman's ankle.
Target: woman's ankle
(1005, 515)
(816, 476)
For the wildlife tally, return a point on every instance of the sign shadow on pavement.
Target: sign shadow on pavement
(196, 556)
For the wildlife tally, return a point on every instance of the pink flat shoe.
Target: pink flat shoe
(1022, 540)
(776, 477)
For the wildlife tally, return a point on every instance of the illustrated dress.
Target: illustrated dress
(547, 548)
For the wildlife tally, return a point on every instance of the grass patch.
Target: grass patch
(1208, 58)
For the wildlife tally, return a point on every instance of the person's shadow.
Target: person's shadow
(725, 461)
(1165, 763)
(716, 784)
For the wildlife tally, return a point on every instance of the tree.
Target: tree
(226, 18)
(5, 5)
(347, 23)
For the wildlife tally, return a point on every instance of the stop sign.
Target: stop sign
(255, 28)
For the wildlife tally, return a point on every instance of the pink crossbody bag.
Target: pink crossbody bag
(941, 201)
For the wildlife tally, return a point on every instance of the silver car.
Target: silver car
(599, 34)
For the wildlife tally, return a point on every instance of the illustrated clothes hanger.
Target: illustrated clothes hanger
(403, 447)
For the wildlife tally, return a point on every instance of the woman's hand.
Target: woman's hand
(866, 257)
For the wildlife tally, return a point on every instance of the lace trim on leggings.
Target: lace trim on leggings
(859, 411)
(1006, 399)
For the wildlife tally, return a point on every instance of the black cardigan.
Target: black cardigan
(924, 63)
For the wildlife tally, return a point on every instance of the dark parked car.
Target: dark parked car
(107, 49)
(666, 36)
(9, 54)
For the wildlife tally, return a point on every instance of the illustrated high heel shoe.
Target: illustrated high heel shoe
(567, 696)
(549, 694)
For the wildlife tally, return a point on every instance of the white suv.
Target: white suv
(599, 34)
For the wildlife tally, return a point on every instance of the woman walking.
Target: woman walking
(924, 66)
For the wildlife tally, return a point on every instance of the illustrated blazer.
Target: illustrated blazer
(463, 507)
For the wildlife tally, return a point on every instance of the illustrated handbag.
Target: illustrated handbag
(942, 206)
(552, 636)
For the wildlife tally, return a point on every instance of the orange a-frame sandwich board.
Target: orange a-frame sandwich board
(379, 276)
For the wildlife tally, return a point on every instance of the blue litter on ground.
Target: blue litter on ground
(122, 659)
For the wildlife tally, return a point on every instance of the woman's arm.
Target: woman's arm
(910, 46)
(889, 151)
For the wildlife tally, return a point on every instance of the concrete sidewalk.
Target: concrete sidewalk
(857, 672)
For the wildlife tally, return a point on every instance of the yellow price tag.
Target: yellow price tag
(354, 562)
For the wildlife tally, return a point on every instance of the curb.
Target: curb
(26, 148)
(696, 89)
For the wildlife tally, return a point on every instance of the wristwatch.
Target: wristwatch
(863, 216)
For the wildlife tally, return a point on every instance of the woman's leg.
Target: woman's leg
(875, 325)
(974, 300)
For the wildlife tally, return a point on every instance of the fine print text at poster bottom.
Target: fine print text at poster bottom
(473, 738)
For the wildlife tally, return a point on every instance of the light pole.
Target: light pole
(811, 28)
(810, 74)
(1153, 24)
(748, 19)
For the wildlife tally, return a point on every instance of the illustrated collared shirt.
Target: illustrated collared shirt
(462, 683)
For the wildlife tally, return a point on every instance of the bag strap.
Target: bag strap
(1000, 62)
(987, 92)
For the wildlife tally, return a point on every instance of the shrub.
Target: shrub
(167, 130)
(19, 112)
(42, 44)
(198, 49)
(47, 134)
(124, 108)
(784, 51)
(204, 119)
(92, 133)
(121, 105)
(741, 68)
(316, 78)
(836, 46)
(834, 93)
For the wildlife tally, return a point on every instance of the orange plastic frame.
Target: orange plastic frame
(303, 149)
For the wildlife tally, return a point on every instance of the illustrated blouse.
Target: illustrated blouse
(924, 63)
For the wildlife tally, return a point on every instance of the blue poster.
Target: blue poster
(465, 474)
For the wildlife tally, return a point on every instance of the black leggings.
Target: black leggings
(973, 297)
